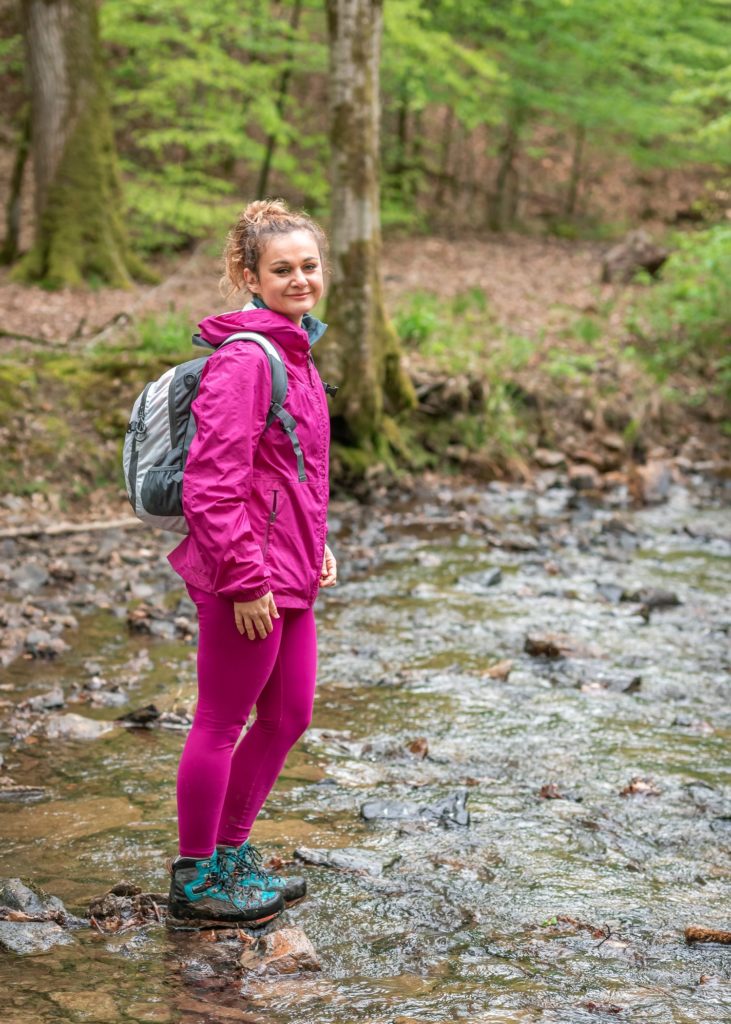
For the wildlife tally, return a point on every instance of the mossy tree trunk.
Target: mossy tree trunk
(361, 350)
(80, 230)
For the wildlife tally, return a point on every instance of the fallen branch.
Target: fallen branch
(59, 529)
(695, 933)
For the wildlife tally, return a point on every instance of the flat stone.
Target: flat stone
(652, 597)
(286, 951)
(480, 582)
(350, 858)
(29, 577)
(25, 937)
(51, 699)
(451, 810)
(76, 727)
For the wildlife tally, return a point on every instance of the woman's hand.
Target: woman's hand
(329, 571)
(256, 615)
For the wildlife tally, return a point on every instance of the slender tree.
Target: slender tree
(361, 350)
(80, 228)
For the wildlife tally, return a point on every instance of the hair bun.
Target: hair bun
(263, 210)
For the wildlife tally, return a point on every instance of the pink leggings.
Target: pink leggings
(222, 784)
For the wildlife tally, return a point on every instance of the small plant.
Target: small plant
(684, 320)
(169, 334)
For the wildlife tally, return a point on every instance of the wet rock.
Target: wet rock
(550, 791)
(652, 597)
(554, 645)
(113, 698)
(39, 643)
(511, 540)
(640, 787)
(141, 718)
(32, 936)
(418, 747)
(584, 477)
(501, 670)
(364, 862)
(480, 582)
(76, 727)
(616, 683)
(286, 951)
(163, 629)
(10, 793)
(650, 484)
(15, 894)
(611, 592)
(636, 252)
(61, 570)
(450, 811)
(150, 717)
(29, 577)
(388, 748)
(51, 699)
(32, 921)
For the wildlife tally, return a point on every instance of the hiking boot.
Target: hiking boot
(244, 865)
(202, 895)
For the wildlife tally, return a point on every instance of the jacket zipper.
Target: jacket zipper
(271, 520)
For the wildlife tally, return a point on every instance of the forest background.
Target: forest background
(520, 139)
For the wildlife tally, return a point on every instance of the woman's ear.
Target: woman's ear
(251, 281)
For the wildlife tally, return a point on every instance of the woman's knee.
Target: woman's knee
(292, 723)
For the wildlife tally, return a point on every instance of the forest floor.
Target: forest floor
(521, 357)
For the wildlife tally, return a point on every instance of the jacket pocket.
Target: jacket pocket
(271, 520)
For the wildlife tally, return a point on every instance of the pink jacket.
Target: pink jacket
(253, 526)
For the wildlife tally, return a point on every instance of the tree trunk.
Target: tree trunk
(446, 150)
(572, 192)
(361, 350)
(504, 200)
(10, 248)
(281, 99)
(80, 230)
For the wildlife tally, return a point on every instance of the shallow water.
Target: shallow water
(558, 910)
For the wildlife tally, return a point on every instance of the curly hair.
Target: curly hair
(248, 238)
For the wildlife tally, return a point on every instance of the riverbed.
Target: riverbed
(526, 690)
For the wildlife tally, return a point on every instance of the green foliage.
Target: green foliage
(166, 335)
(459, 336)
(684, 321)
(195, 92)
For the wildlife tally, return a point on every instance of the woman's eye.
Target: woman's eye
(311, 266)
(282, 271)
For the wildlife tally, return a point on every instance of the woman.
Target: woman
(253, 561)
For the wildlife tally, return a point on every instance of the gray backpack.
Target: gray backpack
(162, 427)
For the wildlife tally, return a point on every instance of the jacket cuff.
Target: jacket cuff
(249, 594)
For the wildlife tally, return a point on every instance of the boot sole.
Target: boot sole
(196, 924)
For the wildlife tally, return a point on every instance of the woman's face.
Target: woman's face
(290, 278)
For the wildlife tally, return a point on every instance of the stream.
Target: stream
(527, 689)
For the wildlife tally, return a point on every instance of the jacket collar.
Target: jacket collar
(310, 324)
